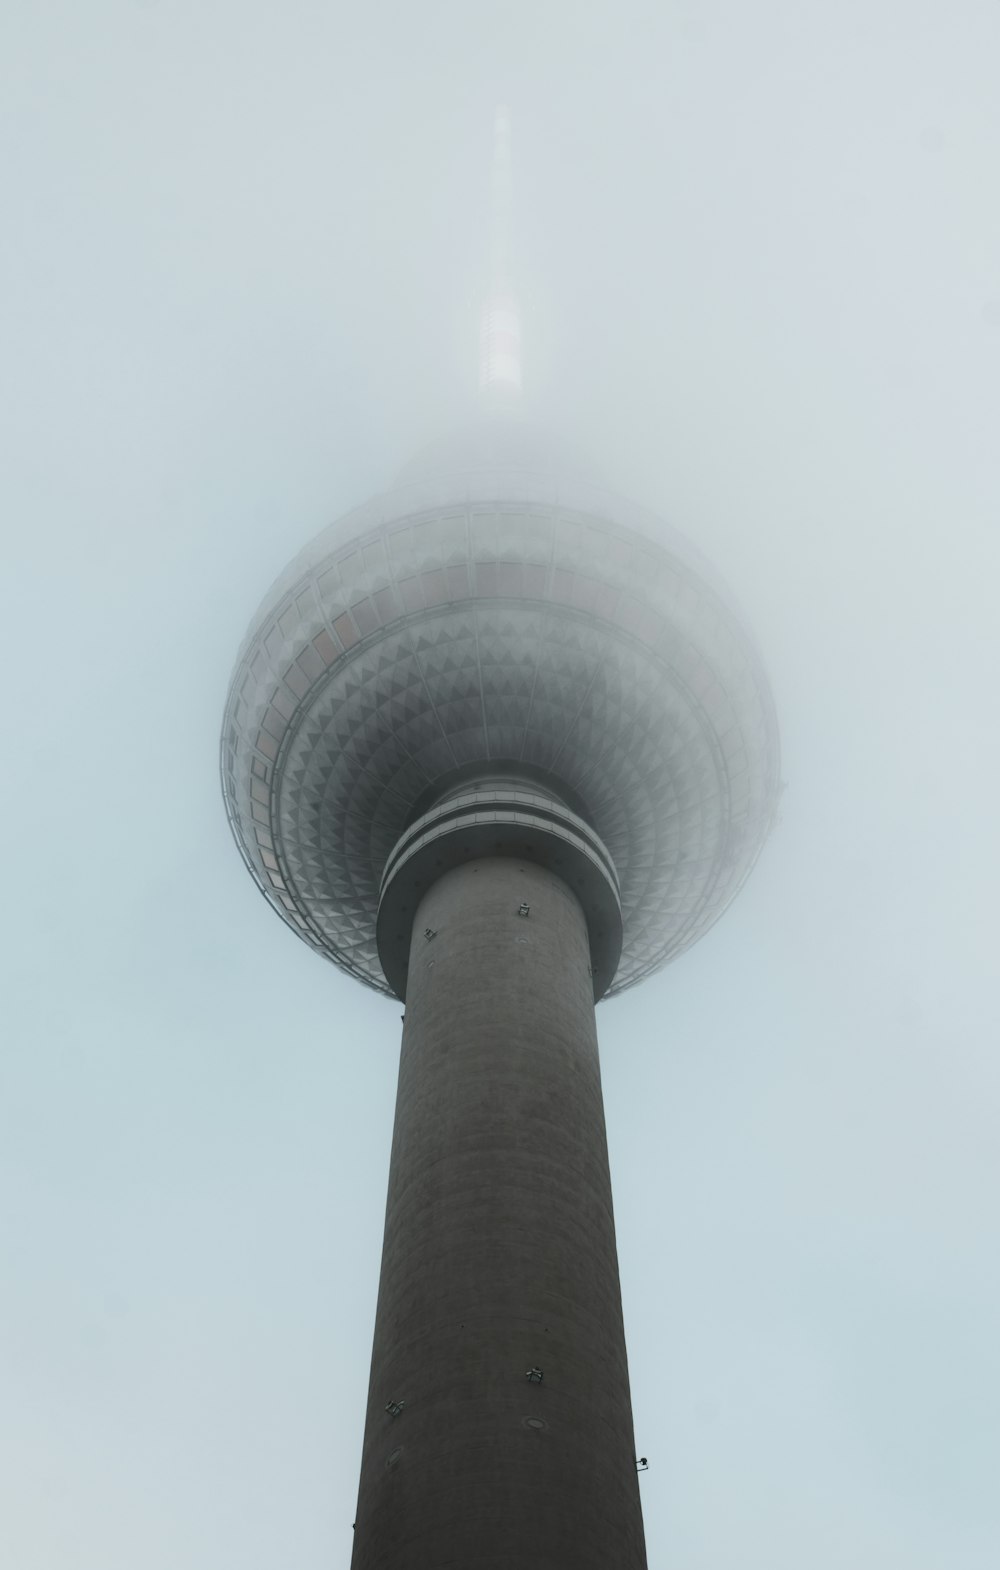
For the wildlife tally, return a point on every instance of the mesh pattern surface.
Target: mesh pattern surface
(473, 630)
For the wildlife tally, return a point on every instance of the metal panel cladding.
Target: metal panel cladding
(499, 615)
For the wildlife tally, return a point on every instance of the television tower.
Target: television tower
(498, 745)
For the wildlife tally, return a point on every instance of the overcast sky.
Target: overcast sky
(243, 251)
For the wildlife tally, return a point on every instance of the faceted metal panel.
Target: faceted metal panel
(445, 626)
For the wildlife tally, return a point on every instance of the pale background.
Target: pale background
(242, 255)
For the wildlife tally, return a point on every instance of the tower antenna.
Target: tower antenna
(500, 324)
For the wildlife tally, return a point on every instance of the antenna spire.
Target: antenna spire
(500, 324)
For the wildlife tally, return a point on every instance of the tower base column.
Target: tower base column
(499, 1427)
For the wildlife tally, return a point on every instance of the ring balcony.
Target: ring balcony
(506, 817)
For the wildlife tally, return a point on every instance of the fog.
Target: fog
(757, 248)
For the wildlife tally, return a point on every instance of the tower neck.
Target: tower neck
(500, 323)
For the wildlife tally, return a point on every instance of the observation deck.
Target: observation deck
(492, 613)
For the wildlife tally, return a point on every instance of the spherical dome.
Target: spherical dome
(490, 611)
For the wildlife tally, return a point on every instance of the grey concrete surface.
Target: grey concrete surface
(499, 1254)
(490, 817)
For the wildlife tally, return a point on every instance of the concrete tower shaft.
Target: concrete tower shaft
(499, 1327)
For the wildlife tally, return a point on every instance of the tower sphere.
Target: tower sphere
(497, 630)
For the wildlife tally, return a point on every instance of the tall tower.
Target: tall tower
(498, 745)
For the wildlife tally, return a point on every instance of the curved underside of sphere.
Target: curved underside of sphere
(501, 617)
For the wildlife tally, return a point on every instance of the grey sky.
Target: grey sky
(759, 255)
